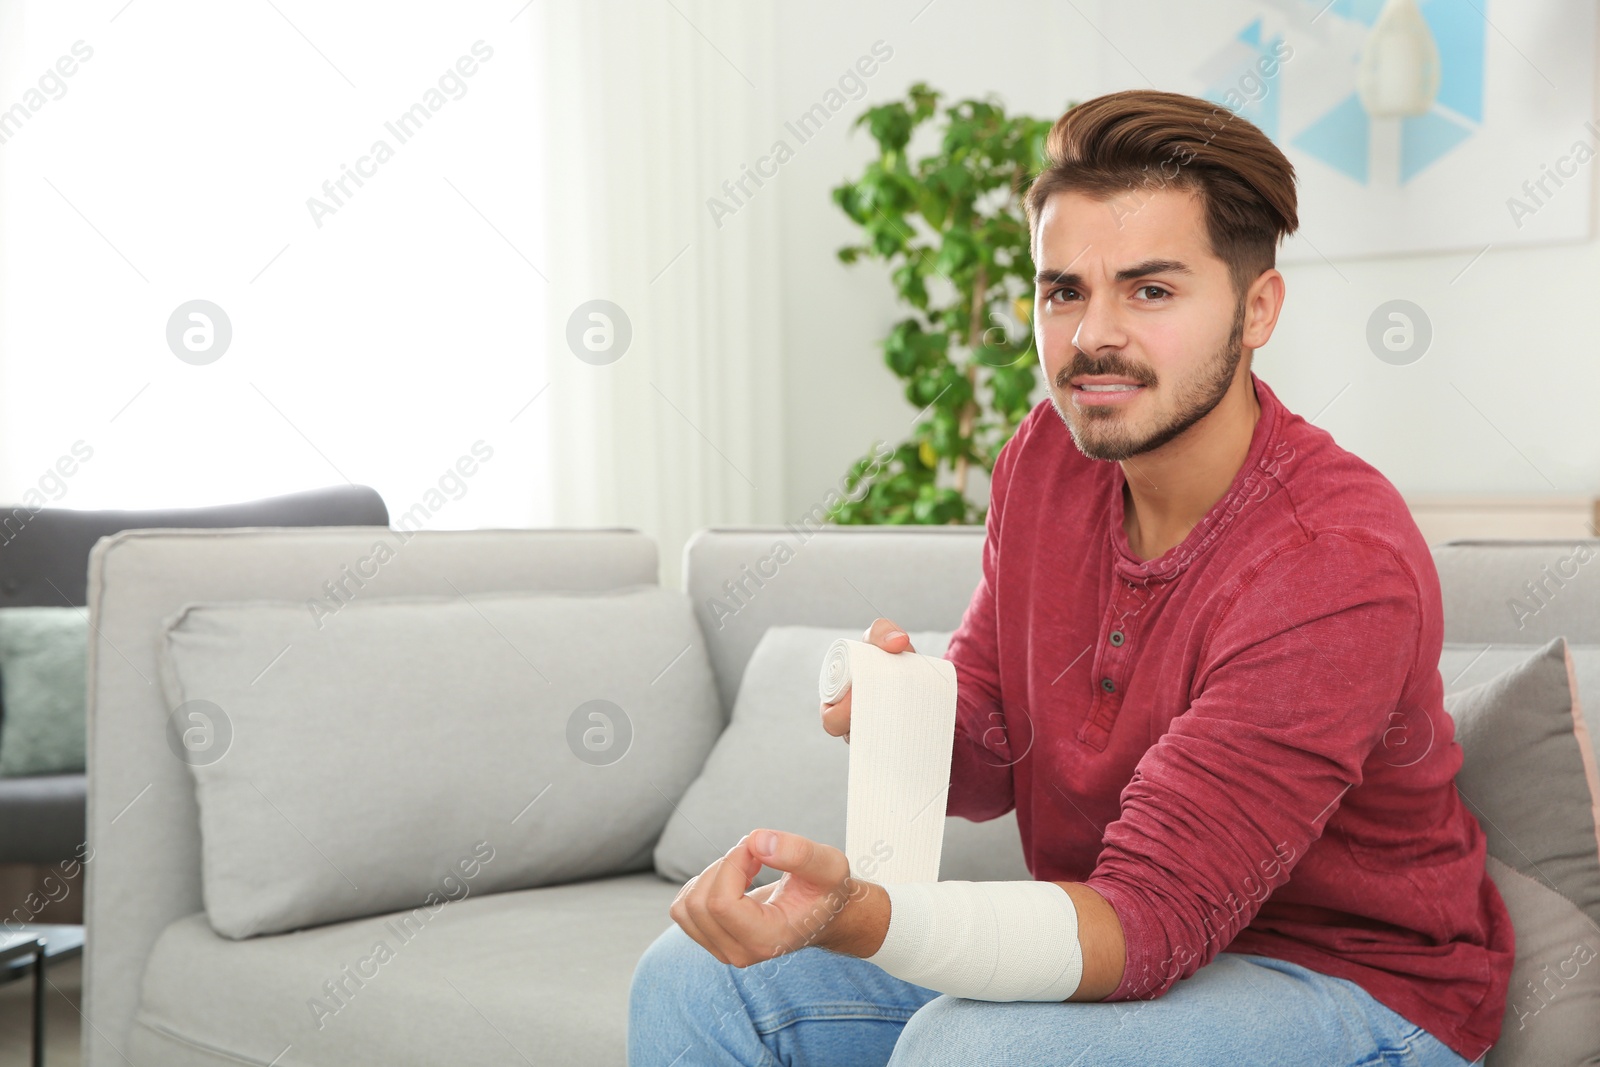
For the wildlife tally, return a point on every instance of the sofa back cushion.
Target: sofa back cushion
(369, 761)
(745, 580)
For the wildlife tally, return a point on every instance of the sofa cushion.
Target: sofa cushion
(537, 976)
(1553, 1004)
(43, 676)
(1528, 774)
(1528, 771)
(1463, 664)
(349, 765)
(775, 766)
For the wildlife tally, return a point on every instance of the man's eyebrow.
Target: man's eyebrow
(1138, 270)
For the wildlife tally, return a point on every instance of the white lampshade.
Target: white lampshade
(1398, 73)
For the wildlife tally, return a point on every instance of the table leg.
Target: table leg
(38, 1006)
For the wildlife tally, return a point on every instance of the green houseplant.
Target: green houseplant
(950, 226)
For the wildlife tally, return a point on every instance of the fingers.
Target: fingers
(762, 932)
(742, 929)
(732, 920)
(689, 911)
(713, 905)
(888, 635)
(680, 914)
(804, 858)
(836, 716)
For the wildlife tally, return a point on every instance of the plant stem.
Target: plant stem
(969, 410)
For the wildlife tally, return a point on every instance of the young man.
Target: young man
(1202, 665)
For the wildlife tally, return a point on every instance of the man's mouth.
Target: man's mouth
(1103, 391)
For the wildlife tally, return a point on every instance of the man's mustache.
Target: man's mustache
(1082, 364)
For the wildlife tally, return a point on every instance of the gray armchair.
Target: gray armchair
(44, 562)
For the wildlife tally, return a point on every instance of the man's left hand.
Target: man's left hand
(816, 903)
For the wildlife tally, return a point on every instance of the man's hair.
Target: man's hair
(1144, 140)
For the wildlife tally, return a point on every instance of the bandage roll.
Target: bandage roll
(835, 680)
(902, 728)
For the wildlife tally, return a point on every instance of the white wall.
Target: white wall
(204, 177)
(839, 394)
(1507, 400)
(1514, 333)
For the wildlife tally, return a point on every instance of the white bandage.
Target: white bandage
(902, 725)
(1000, 941)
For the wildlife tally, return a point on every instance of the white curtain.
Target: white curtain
(651, 107)
(379, 343)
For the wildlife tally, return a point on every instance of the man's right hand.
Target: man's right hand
(887, 636)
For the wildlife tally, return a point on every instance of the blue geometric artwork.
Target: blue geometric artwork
(1247, 60)
(1507, 153)
(1341, 136)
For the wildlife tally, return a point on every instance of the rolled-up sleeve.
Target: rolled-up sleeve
(1295, 686)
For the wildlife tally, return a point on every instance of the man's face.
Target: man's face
(1138, 327)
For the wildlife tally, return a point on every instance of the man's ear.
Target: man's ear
(1263, 302)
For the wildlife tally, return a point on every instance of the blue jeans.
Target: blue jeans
(815, 1008)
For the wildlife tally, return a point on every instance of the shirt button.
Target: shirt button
(1108, 685)
(1117, 638)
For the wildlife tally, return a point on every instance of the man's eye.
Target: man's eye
(1160, 292)
(1060, 294)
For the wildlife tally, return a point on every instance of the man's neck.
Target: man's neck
(1168, 491)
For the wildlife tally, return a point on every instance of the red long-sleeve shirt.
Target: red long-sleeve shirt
(1241, 744)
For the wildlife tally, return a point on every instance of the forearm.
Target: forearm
(1100, 935)
(863, 925)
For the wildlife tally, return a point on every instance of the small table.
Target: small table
(35, 943)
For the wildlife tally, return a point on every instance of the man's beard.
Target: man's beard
(1103, 436)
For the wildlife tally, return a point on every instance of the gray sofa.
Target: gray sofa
(550, 966)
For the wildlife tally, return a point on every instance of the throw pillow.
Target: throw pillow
(1553, 1005)
(43, 672)
(409, 751)
(1464, 665)
(1528, 774)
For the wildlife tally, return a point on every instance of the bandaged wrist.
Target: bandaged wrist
(1000, 941)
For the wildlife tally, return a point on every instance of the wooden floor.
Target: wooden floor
(63, 997)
